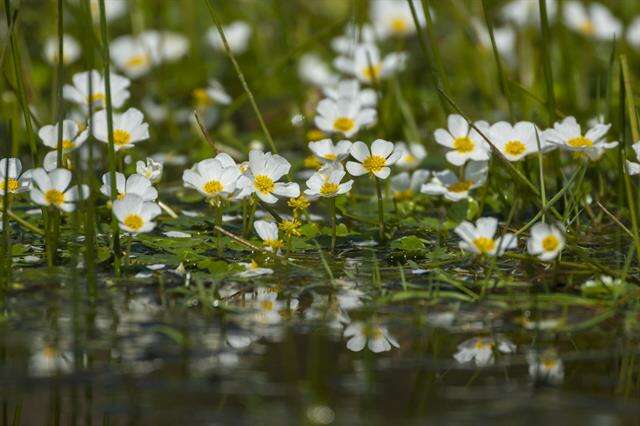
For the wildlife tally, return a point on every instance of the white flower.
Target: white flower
(517, 141)
(567, 135)
(353, 36)
(47, 361)
(312, 70)
(212, 95)
(253, 270)
(404, 187)
(237, 34)
(603, 285)
(394, 18)
(268, 306)
(479, 239)
(52, 189)
(70, 50)
(633, 33)
(546, 366)
(481, 350)
(268, 232)
(465, 142)
(350, 89)
(11, 176)
(375, 337)
(326, 182)
(135, 215)
(367, 65)
(150, 169)
(546, 241)
(375, 162)
(454, 189)
(596, 21)
(505, 38)
(129, 128)
(176, 234)
(113, 9)
(164, 46)
(134, 184)
(527, 12)
(346, 116)
(211, 178)
(72, 137)
(632, 167)
(413, 155)
(131, 56)
(265, 169)
(327, 152)
(79, 91)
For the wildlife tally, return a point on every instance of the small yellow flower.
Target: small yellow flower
(299, 204)
(291, 227)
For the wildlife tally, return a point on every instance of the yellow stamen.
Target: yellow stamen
(312, 162)
(374, 163)
(550, 243)
(212, 187)
(274, 244)
(330, 156)
(137, 61)
(264, 184)
(483, 344)
(484, 244)
(202, 98)
(315, 135)
(462, 186)
(121, 137)
(67, 144)
(372, 72)
(97, 97)
(55, 197)
(328, 188)
(133, 221)
(267, 305)
(463, 144)
(399, 25)
(405, 195)
(344, 124)
(12, 185)
(587, 27)
(580, 142)
(514, 148)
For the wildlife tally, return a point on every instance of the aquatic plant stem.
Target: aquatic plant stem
(380, 208)
(546, 57)
(220, 242)
(241, 77)
(117, 256)
(24, 223)
(332, 203)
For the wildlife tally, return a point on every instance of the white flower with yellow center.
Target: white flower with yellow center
(268, 232)
(517, 141)
(252, 269)
(211, 179)
(150, 169)
(327, 152)
(453, 188)
(270, 310)
(212, 95)
(479, 239)
(313, 70)
(70, 50)
(413, 155)
(375, 337)
(546, 366)
(237, 34)
(368, 66)
(481, 350)
(633, 168)
(593, 21)
(376, 162)
(12, 178)
(135, 216)
(546, 241)
(405, 186)
(136, 55)
(52, 189)
(527, 12)
(567, 135)
(392, 18)
(72, 136)
(129, 128)
(261, 179)
(134, 184)
(350, 89)
(113, 9)
(465, 142)
(345, 116)
(79, 92)
(326, 182)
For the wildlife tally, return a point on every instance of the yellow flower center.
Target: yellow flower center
(330, 156)
(374, 163)
(137, 61)
(264, 184)
(267, 305)
(328, 188)
(482, 344)
(120, 197)
(514, 147)
(55, 197)
(121, 137)
(212, 187)
(344, 124)
(399, 25)
(67, 144)
(202, 97)
(462, 186)
(463, 144)
(410, 159)
(290, 227)
(133, 221)
(315, 135)
(253, 265)
(12, 185)
(580, 142)
(405, 195)
(375, 333)
(97, 97)
(300, 203)
(549, 363)
(372, 72)
(274, 244)
(312, 162)
(550, 243)
(587, 27)
(484, 244)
